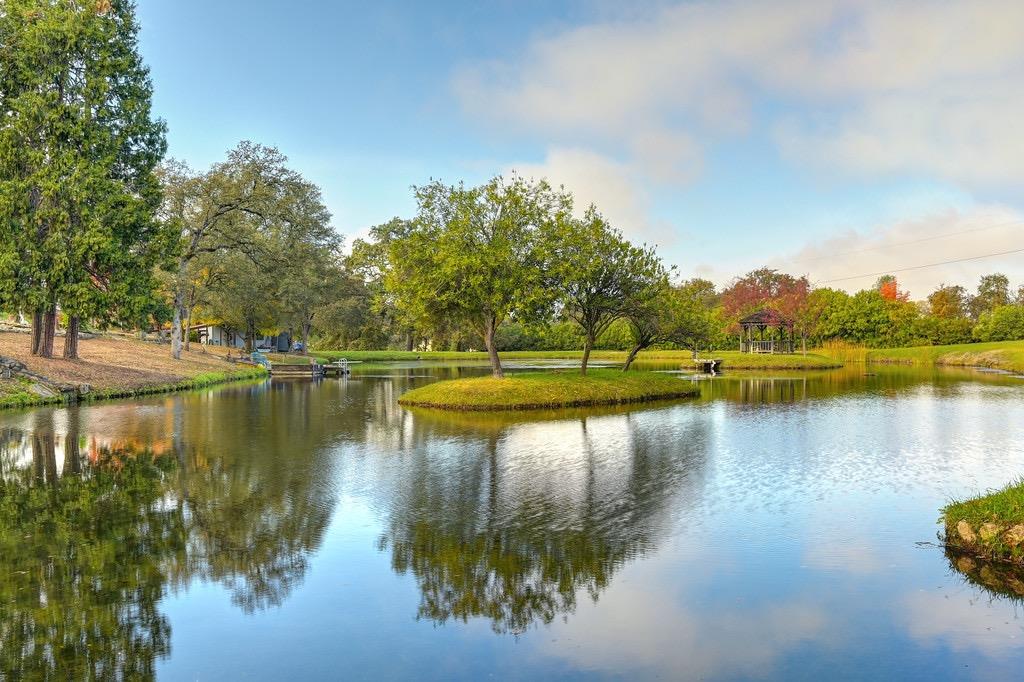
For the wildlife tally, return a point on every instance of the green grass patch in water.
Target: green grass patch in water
(989, 526)
(543, 390)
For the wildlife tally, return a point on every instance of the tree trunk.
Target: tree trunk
(37, 330)
(71, 338)
(179, 310)
(49, 331)
(408, 341)
(589, 344)
(632, 356)
(176, 330)
(250, 337)
(492, 352)
(188, 328)
(305, 336)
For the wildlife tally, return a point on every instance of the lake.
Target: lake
(782, 526)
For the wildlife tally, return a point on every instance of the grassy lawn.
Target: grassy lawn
(116, 367)
(990, 526)
(539, 390)
(731, 359)
(1008, 355)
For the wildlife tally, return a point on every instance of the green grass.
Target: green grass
(540, 390)
(12, 397)
(994, 524)
(732, 359)
(1007, 355)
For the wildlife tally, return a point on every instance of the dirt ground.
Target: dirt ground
(113, 362)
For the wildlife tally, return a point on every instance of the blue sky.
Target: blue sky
(731, 134)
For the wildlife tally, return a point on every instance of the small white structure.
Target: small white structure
(219, 335)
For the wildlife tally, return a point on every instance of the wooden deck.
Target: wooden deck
(313, 370)
(708, 365)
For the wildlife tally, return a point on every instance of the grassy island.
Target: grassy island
(540, 390)
(989, 526)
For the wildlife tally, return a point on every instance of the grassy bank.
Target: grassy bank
(989, 526)
(731, 359)
(540, 390)
(1007, 355)
(114, 368)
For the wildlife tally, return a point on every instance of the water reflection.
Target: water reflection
(1000, 580)
(529, 514)
(778, 511)
(88, 547)
(98, 527)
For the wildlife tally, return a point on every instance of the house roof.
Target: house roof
(766, 317)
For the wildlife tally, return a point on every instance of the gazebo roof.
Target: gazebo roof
(767, 318)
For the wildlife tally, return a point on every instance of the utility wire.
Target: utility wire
(919, 267)
(906, 243)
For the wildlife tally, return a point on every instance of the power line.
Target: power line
(906, 243)
(919, 267)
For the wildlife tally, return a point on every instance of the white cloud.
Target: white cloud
(613, 186)
(647, 632)
(926, 86)
(937, 237)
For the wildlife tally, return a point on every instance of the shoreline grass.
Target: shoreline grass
(731, 358)
(988, 526)
(546, 390)
(26, 398)
(1005, 355)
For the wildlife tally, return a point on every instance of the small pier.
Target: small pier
(311, 371)
(708, 365)
(339, 368)
(314, 370)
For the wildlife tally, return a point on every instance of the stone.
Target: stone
(1015, 535)
(989, 531)
(42, 391)
(965, 564)
(84, 389)
(965, 531)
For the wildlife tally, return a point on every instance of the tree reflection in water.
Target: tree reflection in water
(85, 553)
(512, 529)
(94, 532)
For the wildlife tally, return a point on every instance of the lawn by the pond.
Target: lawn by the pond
(540, 390)
(731, 359)
(990, 526)
(1008, 355)
(115, 367)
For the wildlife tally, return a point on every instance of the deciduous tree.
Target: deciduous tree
(472, 255)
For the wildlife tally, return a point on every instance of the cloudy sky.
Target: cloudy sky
(837, 139)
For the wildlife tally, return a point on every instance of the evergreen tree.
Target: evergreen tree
(78, 147)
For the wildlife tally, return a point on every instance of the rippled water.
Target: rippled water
(778, 527)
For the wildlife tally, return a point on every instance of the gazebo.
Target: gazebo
(770, 324)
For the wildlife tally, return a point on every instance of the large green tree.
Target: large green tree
(993, 291)
(78, 146)
(595, 272)
(245, 206)
(473, 256)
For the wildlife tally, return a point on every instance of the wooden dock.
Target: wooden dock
(310, 371)
(314, 370)
(708, 365)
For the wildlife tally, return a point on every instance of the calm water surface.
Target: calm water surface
(780, 527)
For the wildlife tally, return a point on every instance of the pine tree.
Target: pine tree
(78, 149)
